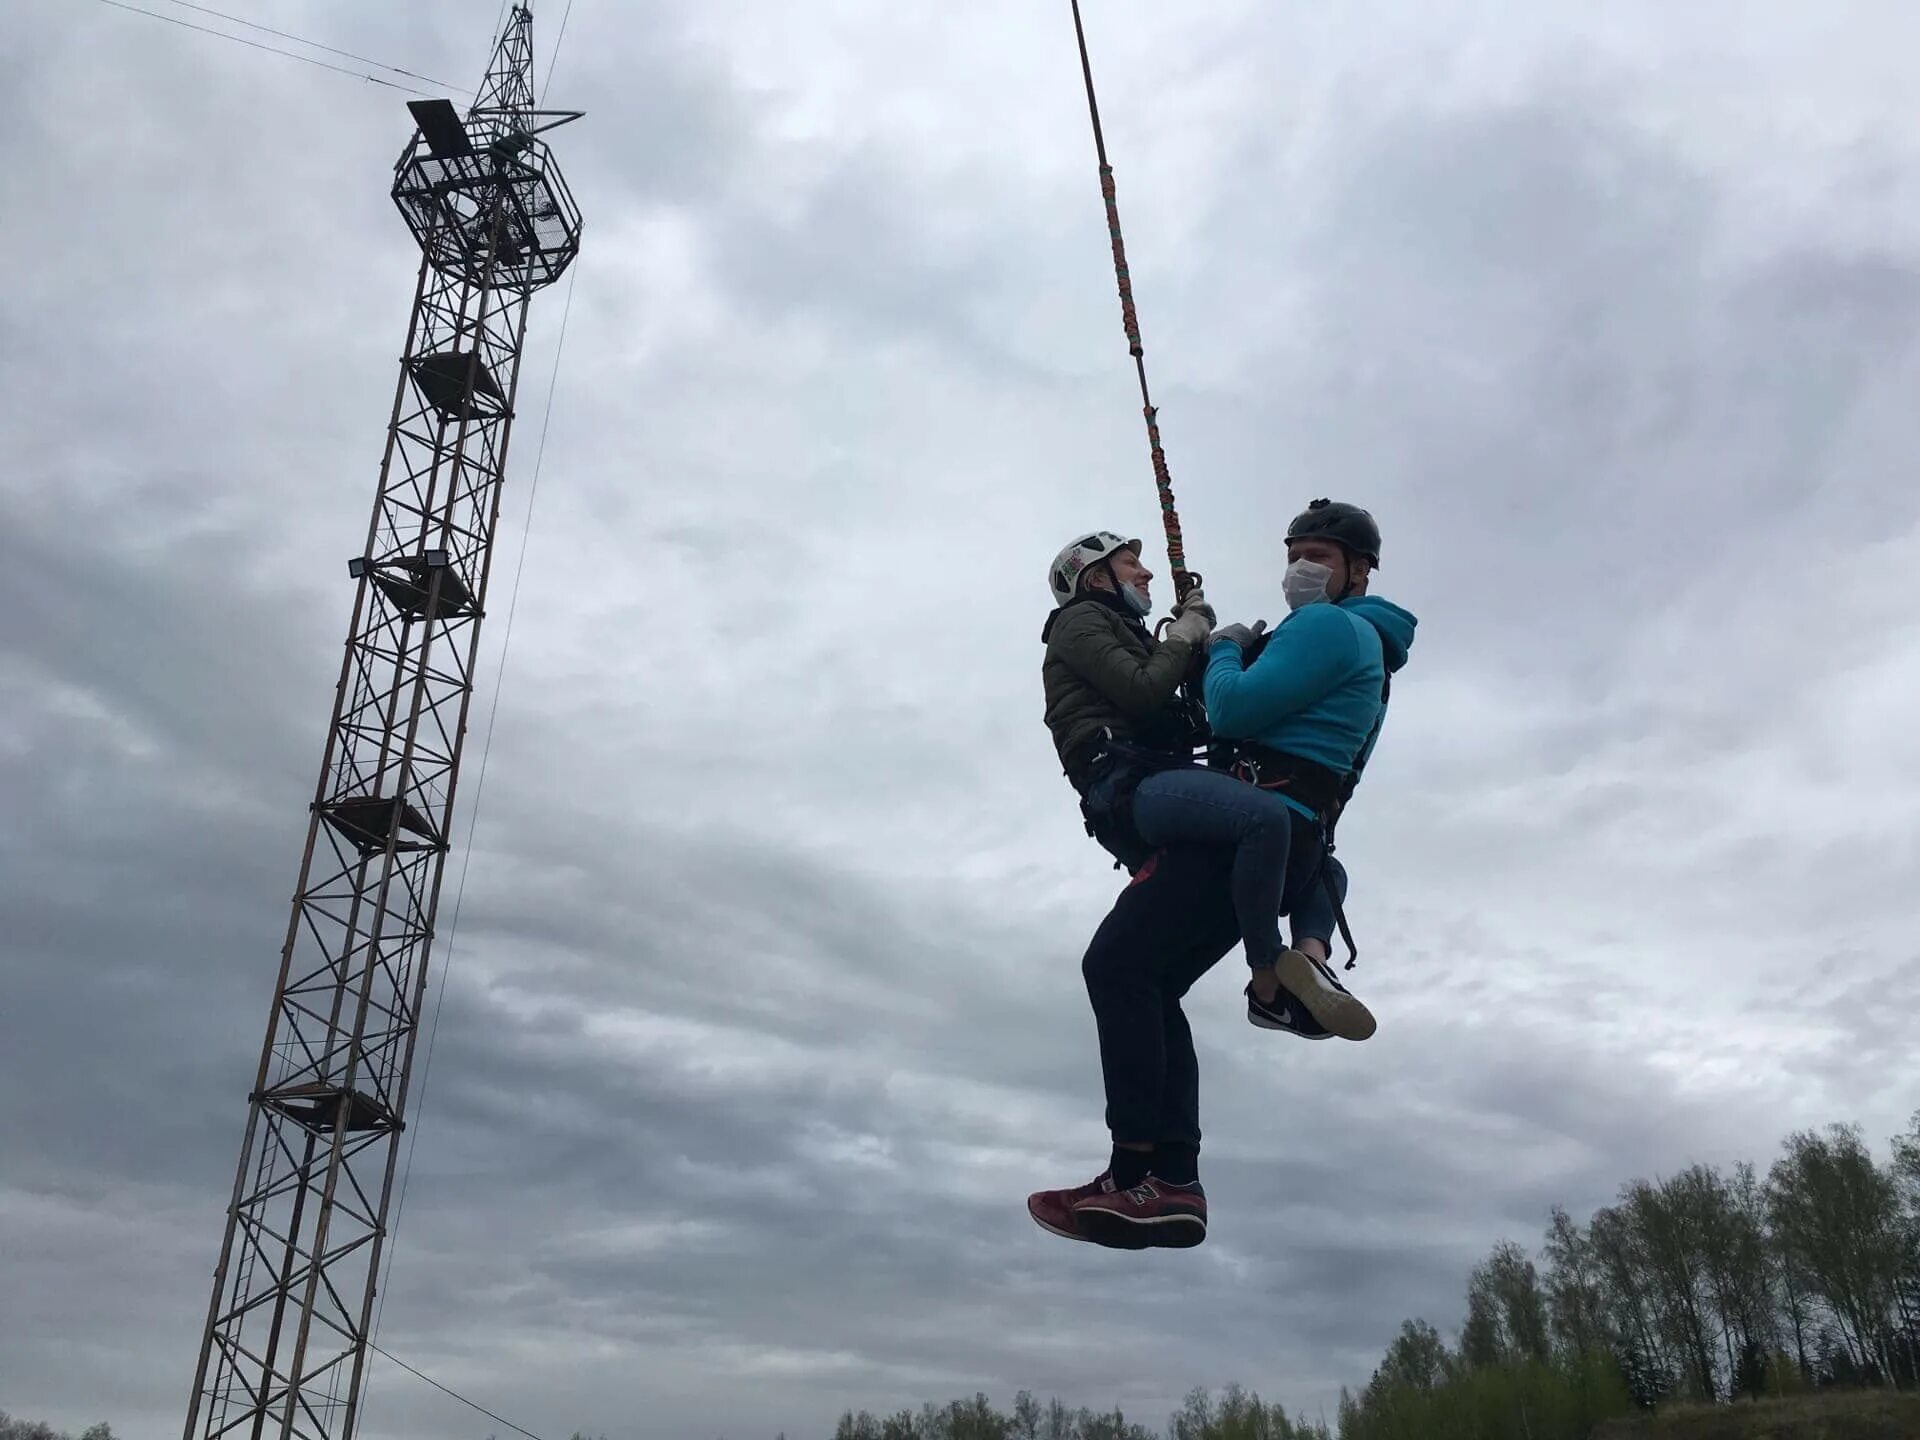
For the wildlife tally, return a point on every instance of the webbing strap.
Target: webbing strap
(1333, 820)
(1184, 580)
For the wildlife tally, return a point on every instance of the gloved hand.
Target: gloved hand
(1197, 600)
(1190, 626)
(1240, 635)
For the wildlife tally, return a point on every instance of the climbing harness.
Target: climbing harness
(1114, 773)
(1318, 787)
(1184, 580)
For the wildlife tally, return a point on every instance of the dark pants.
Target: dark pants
(1167, 929)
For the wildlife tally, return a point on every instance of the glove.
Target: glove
(1239, 635)
(1197, 600)
(1190, 626)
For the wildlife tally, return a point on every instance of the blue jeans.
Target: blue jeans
(1276, 850)
(1311, 914)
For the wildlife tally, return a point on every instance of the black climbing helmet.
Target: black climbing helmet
(1336, 520)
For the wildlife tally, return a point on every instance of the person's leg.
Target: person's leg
(1297, 972)
(1176, 908)
(1209, 807)
(1176, 1157)
(1166, 928)
(1311, 917)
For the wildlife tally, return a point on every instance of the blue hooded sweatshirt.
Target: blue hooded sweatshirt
(1314, 691)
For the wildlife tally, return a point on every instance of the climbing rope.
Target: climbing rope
(1184, 580)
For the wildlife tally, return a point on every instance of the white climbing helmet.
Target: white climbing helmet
(1063, 575)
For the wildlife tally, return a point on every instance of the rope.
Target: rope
(454, 1393)
(270, 49)
(1184, 580)
(313, 44)
(554, 59)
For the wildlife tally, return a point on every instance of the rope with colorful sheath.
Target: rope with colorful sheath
(1184, 580)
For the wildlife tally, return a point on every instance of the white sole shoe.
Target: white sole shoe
(1313, 985)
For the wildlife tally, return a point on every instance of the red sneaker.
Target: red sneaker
(1052, 1210)
(1151, 1214)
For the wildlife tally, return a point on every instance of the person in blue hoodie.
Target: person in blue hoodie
(1303, 707)
(1300, 713)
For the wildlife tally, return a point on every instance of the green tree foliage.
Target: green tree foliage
(977, 1419)
(1632, 1302)
(1753, 1373)
(1668, 1225)
(12, 1429)
(1576, 1290)
(1238, 1414)
(1418, 1359)
(1706, 1285)
(1235, 1414)
(1555, 1399)
(1839, 1218)
(1506, 1311)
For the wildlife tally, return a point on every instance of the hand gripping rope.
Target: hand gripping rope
(1184, 580)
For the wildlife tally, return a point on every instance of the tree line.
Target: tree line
(1237, 1414)
(12, 1429)
(1705, 1286)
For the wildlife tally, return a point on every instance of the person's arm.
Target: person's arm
(1084, 639)
(1305, 658)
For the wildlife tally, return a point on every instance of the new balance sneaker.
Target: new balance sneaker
(1284, 1012)
(1153, 1214)
(1052, 1210)
(1330, 1004)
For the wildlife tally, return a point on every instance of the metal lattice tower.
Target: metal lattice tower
(285, 1344)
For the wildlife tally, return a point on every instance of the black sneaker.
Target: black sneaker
(1311, 984)
(1284, 1012)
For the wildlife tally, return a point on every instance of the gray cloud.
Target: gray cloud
(763, 1010)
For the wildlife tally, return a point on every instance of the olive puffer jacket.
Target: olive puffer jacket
(1104, 672)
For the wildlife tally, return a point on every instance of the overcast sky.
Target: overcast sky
(764, 1011)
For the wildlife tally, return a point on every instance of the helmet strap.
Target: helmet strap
(1346, 565)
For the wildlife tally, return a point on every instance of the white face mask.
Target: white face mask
(1137, 602)
(1306, 583)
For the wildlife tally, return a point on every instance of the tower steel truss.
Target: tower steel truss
(285, 1344)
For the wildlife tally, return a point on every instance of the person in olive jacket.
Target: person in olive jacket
(1125, 734)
